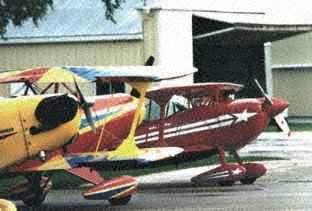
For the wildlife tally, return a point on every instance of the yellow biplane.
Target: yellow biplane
(43, 133)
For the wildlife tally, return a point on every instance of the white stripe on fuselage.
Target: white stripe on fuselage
(209, 124)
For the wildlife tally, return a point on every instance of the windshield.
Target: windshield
(177, 104)
(152, 110)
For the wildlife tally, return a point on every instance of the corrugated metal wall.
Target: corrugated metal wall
(131, 52)
(293, 50)
(98, 53)
(294, 85)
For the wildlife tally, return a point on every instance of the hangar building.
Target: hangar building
(228, 40)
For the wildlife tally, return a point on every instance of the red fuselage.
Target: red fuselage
(229, 125)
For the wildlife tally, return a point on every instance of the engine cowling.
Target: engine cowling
(54, 111)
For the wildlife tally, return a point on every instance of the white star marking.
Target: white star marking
(236, 171)
(244, 116)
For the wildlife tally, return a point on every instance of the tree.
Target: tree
(19, 11)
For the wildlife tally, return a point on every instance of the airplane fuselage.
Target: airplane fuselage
(112, 114)
(229, 125)
(25, 128)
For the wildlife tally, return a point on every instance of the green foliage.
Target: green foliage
(111, 6)
(19, 11)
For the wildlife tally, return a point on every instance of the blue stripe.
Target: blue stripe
(97, 118)
(75, 161)
(91, 74)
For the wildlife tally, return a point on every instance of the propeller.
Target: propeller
(266, 96)
(279, 118)
(86, 106)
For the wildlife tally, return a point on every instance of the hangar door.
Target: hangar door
(233, 52)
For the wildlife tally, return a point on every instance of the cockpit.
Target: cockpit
(180, 103)
(175, 105)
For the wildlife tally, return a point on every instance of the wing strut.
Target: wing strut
(128, 147)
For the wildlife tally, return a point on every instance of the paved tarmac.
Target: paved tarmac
(286, 186)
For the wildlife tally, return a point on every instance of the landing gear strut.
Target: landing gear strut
(31, 191)
(39, 185)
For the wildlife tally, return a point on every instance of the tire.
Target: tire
(35, 201)
(248, 181)
(226, 183)
(120, 201)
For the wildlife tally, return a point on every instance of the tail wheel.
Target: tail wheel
(120, 201)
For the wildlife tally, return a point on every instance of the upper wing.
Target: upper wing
(163, 94)
(65, 74)
(28, 75)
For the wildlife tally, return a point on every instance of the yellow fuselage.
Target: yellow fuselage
(16, 141)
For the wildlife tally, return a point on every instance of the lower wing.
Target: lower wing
(74, 160)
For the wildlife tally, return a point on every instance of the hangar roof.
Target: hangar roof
(278, 20)
(220, 30)
(84, 20)
(80, 20)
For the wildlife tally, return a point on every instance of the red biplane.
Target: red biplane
(206, 118)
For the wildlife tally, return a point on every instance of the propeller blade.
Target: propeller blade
(86, 106)
(266, 96)
(282, 123)
(82, 100)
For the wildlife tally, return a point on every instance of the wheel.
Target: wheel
(35, 201)
(248, 181)
(226, 183)
(120, 201)
(7, 205)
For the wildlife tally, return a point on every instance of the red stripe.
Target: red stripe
(30, 75)
(115, 100)
(119, 181)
